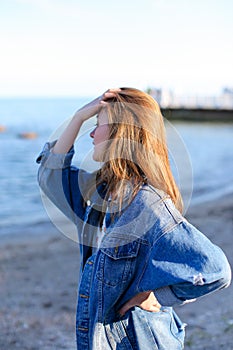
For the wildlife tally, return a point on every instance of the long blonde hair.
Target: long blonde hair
(137, 151)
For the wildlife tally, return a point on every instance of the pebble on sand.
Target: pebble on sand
(2, 128)
(28, 135)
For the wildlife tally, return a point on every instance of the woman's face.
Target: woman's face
(100, 135)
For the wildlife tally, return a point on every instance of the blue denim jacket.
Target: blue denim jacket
(149, 247)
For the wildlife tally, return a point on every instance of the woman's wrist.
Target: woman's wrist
(79, 117)
(145, 300)
(69, 135)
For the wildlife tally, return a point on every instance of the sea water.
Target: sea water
(201, 156)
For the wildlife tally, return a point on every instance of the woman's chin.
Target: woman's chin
(101, 158)
(96, 157)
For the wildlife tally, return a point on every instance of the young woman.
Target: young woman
(140, 256)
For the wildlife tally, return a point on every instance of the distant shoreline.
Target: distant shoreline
(44, 225)
(198, 114)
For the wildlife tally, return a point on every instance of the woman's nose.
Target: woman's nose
(92, 133)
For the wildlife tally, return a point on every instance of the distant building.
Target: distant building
(167, 98)
(155, 93)
(226, 98)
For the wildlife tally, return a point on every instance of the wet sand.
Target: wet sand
(38, 274)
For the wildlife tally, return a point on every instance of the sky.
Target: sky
(82, 48)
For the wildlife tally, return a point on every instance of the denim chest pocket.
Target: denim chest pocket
(116, 264)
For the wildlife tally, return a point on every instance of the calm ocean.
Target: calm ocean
(201, 155)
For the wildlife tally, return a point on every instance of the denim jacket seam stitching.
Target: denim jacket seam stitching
(143, 270)
(166, 231)
(177, 218)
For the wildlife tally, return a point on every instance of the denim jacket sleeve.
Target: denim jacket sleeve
(175, 260)
(184, 265)
(62, 183)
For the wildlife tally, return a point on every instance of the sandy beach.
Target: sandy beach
(38, 274)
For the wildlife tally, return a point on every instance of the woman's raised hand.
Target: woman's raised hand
(93, 107)
(67, 138)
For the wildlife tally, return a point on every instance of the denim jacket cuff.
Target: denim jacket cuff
(166, 297)
(50, 160)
